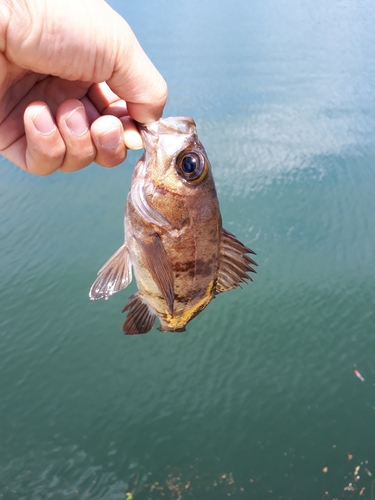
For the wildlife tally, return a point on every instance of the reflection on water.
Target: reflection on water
(258, 398)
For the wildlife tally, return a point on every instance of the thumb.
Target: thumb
(135, 79)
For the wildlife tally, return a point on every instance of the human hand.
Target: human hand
(73, 78)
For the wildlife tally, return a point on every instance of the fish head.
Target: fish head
(175, 160)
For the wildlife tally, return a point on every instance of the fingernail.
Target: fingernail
(76, 121)
(43, 121)
(111, 139)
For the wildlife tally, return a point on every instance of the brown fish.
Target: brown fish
(181, 255)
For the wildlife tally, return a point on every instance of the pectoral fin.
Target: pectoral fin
(159, 266)
(115, 275)
(234, 263)
(140, 318)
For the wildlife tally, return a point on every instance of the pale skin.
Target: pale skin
(73, 78)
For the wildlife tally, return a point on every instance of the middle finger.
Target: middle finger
(73, 125)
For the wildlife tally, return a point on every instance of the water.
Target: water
(258, 397)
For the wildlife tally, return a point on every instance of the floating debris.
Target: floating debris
(349, 456)
(362, 491)
(325, 470)
(357, 374)
(350, 487)
(178, 485)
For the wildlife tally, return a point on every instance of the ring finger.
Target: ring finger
(107, 133)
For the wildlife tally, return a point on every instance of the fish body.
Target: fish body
(174, 240)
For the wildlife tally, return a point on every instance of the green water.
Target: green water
(259, 395)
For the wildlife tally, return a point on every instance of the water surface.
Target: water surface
(258, 398)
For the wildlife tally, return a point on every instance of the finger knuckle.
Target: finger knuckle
(110, 160)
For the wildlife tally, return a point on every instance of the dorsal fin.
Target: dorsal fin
(140, 318)
(159, 266)
(115, 275)
(234, 263)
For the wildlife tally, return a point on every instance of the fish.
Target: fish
(174, 240)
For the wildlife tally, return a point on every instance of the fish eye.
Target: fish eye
(192, 166)
(189, 164)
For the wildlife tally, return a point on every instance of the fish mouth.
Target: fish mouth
(169, 133)
(171, 125)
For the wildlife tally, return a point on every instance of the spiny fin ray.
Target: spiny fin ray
(234, 263)
(140, 319)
